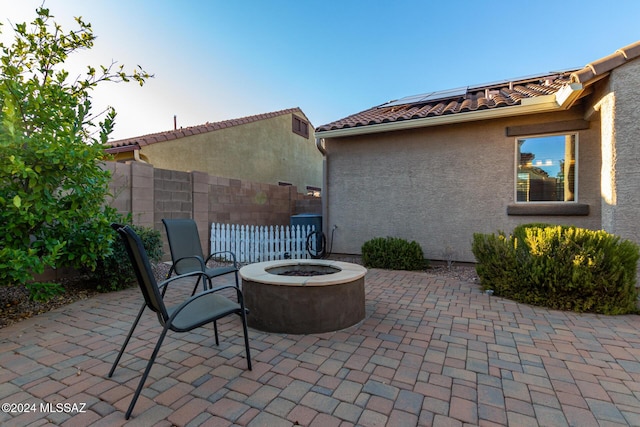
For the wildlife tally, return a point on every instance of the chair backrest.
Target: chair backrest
(184, 242)
(142, 268)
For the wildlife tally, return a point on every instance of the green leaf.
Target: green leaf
(49, 170)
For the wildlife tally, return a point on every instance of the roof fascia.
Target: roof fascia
(122, 149)
(539, 104)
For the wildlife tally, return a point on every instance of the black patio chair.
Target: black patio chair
(198, 310)
(187, 255)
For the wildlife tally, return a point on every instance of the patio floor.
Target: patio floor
(431, 351)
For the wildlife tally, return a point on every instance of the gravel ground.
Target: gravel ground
(15, 304)
(463, 272)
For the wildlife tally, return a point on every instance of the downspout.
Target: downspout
(320, 146)
(136, 156)
(325, 187)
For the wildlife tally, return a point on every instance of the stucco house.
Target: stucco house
(562, 147)
(272, 148)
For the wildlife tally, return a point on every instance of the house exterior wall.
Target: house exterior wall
(441, 184)
(264, 151)
(617, 104)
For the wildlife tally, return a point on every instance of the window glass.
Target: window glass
(546, 169)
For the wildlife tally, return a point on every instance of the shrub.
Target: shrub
(114, 271)
(560, 267)
(44, 291)
(52, 185)
(393, 253)
(497, 265)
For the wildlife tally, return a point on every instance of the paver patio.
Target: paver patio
(431, 351)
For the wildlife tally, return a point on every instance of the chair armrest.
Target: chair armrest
(202, 263)
(166, 282)
(233, 256)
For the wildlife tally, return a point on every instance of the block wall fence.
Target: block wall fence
(151, 194)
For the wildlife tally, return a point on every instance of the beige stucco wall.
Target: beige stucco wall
(440, 185)
(263, 151)
(617, 104)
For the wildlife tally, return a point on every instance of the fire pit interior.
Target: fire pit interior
(303, 296)
(302, 270)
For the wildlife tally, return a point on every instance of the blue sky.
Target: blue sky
(216, 60)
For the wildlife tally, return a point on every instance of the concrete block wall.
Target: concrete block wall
(173, 195)
(151, 194)
(120, 186)
(142, 194)
(308, 204)
(233, 201)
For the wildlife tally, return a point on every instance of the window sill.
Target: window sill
(548, 209)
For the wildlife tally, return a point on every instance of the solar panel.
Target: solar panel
(427, 97)
(462, 91)
(449, 93)
(519, 80)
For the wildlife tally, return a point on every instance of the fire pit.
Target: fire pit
(303, 296)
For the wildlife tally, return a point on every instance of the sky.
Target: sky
(216, 60)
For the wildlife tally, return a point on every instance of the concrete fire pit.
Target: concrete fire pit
(303, 296)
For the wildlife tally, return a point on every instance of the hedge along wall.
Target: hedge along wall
(151, 194)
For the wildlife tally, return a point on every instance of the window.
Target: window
(546, 168)
(300, 127)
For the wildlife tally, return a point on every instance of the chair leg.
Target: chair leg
(146, 372)
(164, 290)
(126, 341)
(196, 286)
(246, 337)
(215, 324)
(169, 273)
(215, 330)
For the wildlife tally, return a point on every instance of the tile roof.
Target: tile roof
(140, 141)
(483, 97)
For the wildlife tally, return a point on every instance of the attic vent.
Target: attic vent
(300, 126)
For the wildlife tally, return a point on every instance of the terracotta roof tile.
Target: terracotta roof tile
(141, 141)
(480, 98)
(631, 51)
(483, 97)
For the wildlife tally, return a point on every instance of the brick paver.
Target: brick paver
(431, 351)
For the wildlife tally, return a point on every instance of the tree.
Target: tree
(52, 186)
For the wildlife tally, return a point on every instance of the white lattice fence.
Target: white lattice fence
(262, 243)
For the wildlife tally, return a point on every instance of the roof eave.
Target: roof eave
(122, 149)
(541, 104)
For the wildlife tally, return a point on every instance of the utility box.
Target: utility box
(307, 219)
(310, 219)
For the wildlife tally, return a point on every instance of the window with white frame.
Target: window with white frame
(546, 168)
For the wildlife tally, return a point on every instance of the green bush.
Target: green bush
(393, 253)
(44, 291)
(560, 267)
(53, 187)
(114, 271)
(497, 265)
